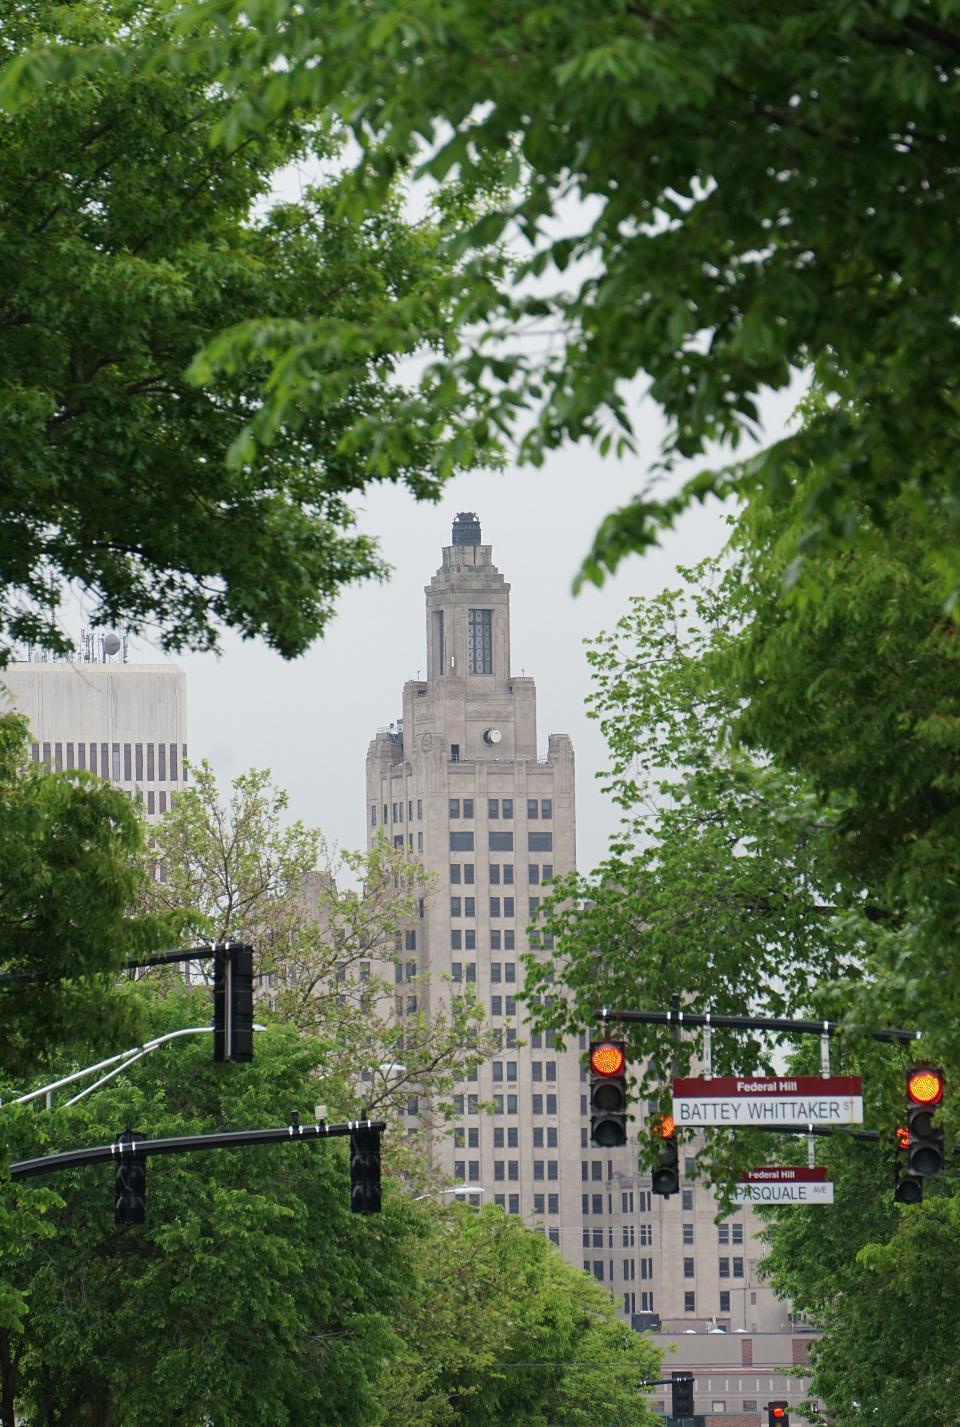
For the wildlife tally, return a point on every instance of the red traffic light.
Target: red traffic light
(778, 1413)
(607, 1058)
(663, 1126)
(902, 1135)
(925, 1085)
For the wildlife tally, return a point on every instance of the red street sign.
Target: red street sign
(787, 1173)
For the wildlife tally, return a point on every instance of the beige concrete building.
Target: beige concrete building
(461, 779)
(125, 722)
(737, 1375)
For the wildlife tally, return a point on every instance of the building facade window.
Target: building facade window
(480, 641)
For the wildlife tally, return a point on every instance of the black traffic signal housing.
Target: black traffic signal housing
(907, 1187)
(130, 1187)
(925, 1154)
(365, 1195)
(682, 1394)
(777, 1414)
(665, 1178)
(233, 1003)
(608, 1093)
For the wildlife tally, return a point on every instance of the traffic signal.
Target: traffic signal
(777, 1414)
(365, 1171)
(682, 1390)
(925, 1140)
(130, 1186)
(666, 1172)
(608, 1093)
(907, 1188)
(233, 1003)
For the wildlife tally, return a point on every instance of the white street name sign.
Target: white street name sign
(730, 1101)
(785, 1185)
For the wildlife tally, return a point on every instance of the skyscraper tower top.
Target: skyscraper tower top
(466, 528)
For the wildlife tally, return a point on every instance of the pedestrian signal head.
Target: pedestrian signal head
(902, 1136)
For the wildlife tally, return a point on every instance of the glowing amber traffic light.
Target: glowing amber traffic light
(925, 1087)
(925, 1149)
(902, 1137)
(608, 1094)
(607, 1058)
(663, 1126)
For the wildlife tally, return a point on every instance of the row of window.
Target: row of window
(120, 762)
(500, 907)
(397, 811)
(690, 1306)
(646, 1306)
(501, 841)
(502, 808)
(596, 1266)
(507, 1104)
(497, 808)
(510, 1169)
(723, 1233)
(594, 1238)
(509, 1138)
(500, 873)
(689, 1268)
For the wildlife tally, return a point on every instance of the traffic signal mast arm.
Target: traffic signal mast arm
(751, 1023)
(187, 1144)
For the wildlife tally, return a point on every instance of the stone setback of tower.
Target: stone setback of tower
(459, 782)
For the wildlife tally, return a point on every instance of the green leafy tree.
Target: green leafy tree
(502, 1329)
(765, 189)
(718, 886)
(251, 1294)
(70, 871)
(127, 244)
(854, 682)
(332, 962)
(784, 767)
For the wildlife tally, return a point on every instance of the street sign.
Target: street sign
(788, 1184)
(730, 1101)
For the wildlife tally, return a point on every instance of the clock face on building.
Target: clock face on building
(492, 735)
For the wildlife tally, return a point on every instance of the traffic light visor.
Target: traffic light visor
(925, 1087)
(607, 1059)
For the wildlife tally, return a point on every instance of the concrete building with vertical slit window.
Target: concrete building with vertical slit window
(125, 722)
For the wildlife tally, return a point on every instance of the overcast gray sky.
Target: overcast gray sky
(310, 721)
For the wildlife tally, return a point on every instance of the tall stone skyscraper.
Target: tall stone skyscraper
(460, 781)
